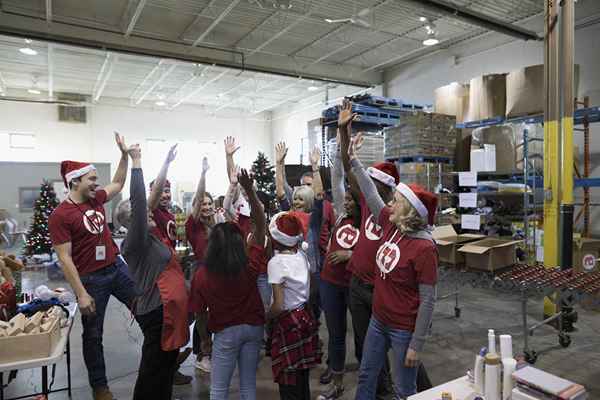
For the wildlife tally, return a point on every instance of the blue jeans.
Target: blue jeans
(379, 339)
(100, 285)
(237, 345)
(334, 301)
(264, 289)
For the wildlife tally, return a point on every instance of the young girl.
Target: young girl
(294, 348)
(403, 299)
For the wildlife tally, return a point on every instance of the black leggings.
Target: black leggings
(299, 391)
(155, 377)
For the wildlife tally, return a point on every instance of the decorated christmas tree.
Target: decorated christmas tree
(38, 236)
(264, 175)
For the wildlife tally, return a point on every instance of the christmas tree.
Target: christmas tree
(38, 236)
(264, 175)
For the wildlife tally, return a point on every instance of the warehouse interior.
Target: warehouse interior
(491, 105)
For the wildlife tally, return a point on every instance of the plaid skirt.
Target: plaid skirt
(294, 345)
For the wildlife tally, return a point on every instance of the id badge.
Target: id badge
(100, 253)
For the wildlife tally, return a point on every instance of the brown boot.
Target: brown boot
(103, 393)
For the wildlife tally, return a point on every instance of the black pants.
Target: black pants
(155, 377)
(361, 304)
(299, 391)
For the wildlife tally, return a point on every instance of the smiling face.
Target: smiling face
(349, 204)
(299, 204)
(401, 209)
(165, 198)
(86, 185)
(207, 209)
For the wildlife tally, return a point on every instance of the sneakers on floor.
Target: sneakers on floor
(333, 391)
(203, 364)
(181, 379)
(103, 393)
(326, 377)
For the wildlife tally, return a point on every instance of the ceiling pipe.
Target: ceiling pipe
(475, 18)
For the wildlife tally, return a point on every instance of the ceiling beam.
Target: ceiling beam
(243, 96)
(256, 28)
(216, 22)
(49, 11)
(134, 18)
(199, 17)
(164, 76)
(50, 71)
(146, 78)
(105, 72)
(197, 90)
(281, 102)
(282, 32)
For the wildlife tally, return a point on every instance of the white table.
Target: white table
(461, 389)
(63, 348)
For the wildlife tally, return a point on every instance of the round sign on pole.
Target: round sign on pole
(589, 262)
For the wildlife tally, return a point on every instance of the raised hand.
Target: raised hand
(346, 116)
(121, 143)
(230, 146)
(135, 152)
(246, 181)
(355, 145)
(172, 153)
(233, 175)
(315, 157)
(280, 152)
(205, 166)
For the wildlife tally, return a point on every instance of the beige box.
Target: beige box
(490, 254)
(448, 242)
(487, 97)
(452, 99)
(585, 250)
(29, 346)
(525, 90)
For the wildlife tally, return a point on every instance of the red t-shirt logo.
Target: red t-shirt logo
(372, 230)
(93, 221)
(171, 230)
(388, 256)
(347, 236)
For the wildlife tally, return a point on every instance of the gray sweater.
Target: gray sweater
(145, 254)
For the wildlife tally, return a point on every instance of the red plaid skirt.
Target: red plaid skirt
(295, 345)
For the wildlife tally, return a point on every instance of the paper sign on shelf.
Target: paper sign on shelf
(467, 179)
(467, 200)
(470, 221)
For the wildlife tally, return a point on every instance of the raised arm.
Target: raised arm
(337, 182)
(280, 153)
(200, 191)
(230, 149)
(161, 179)
(345, 129)
(118, 181)
(257, 214)
(315, 157)
(366, 185)
(232, 194)
(137, 232)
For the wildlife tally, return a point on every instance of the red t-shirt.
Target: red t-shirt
(230, 301)
(245, 225)
(362, 264)
(165, 222)
(196, 233)
(410, 262)
(84, 225)
(345, 236)
(326, 227)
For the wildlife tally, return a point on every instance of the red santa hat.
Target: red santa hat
(423, 201)
(286, 228)
(167, 184)
(385, 173)
(70, 170)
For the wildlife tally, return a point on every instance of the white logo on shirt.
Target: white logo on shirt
(94, 222)
(387, 257)
(171, 230)
(372, 230)
(347, 236)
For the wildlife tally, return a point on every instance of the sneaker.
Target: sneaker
(203, 364)
(326, 377)
(181, 379)
(332, 392)
(183, 355)
(103, 393)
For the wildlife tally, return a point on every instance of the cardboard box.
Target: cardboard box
(490, 254)
(29, 346)
(484, 159)
(525, 90)
(452, 99)
(487, 97)
(448, 242)
(585, 251)
(503, 137)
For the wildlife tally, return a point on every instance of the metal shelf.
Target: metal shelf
(591, 113)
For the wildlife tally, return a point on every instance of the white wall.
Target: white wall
(417, 81)
(197, 133)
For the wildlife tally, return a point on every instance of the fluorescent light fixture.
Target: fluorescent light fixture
(28, 41)
(328, 20)
(33, 91)
(313, 88)
(423, 19)
(28, 51)
(161, 103)
(430, 41)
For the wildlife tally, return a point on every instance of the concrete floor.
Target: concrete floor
(448, 354)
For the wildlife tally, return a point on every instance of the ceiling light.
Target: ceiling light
(313, 88)
(34, 91)
(28, 51)
(28, 41)
(161, 103)
(430, 42)
(423, 19)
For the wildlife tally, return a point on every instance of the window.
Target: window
(22, 141)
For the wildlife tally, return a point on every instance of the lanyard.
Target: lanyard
(91, 222)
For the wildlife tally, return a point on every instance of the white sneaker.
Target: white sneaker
(204, 364)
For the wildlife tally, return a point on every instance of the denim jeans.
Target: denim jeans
(264, 289)
(100, 285)
(237, 345)
(379, 339)
(334, 300)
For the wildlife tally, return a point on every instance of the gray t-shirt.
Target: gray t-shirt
(146, 255)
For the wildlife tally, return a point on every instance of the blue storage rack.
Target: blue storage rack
(591, 113)
(423, 159)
